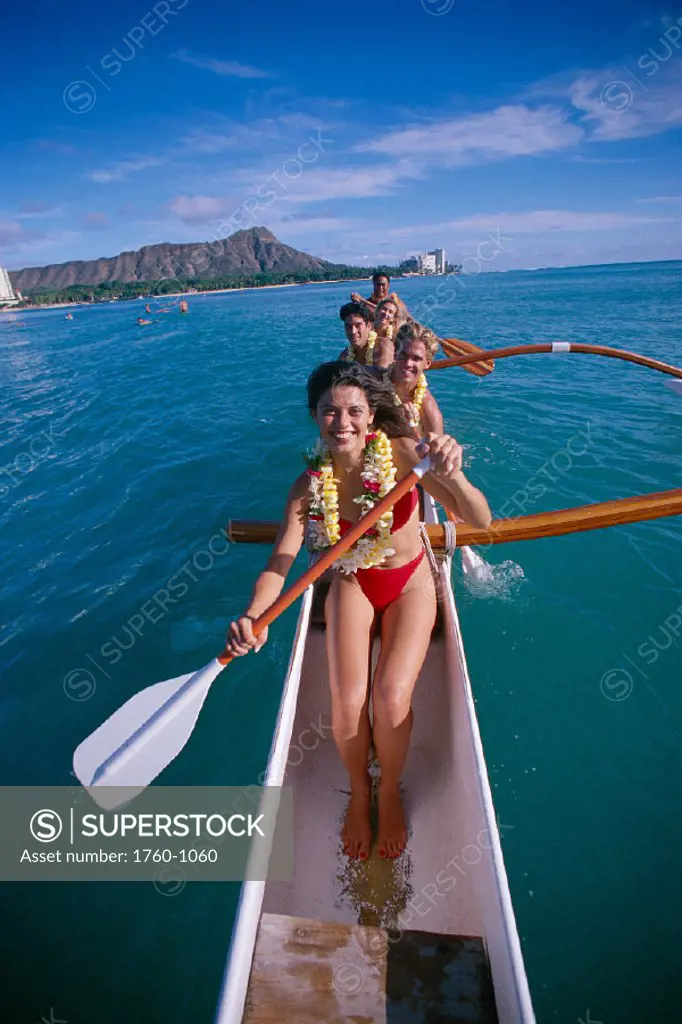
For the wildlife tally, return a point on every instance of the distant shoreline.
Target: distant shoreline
(185, 295)
(298, 284)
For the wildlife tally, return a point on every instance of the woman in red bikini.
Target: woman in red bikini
(379, 584)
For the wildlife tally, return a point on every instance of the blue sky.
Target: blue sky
(358, 132)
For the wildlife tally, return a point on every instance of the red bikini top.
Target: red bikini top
(402, 511)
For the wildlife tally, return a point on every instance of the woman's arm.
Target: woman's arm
(445, 481)
(270, 583)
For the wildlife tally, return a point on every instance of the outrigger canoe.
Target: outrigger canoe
(429, 937)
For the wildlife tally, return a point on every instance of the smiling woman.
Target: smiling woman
(379, 586)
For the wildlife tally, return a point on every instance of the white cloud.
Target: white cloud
(508, 131)
(123, 168)
(11, 232)
(220, 67)
(221, 134)
(198, 209)
(322, 183)
(543, 221)
(305, 225)
(509, 229)
(27, 211)
(664, 200)
(310, 186)
(15, 239)
(623, 103)
(96, 221)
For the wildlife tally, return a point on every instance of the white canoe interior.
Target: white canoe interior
(428, 937)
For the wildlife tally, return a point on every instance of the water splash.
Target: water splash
(483, 580)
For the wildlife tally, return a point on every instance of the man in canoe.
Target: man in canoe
(357, 323)
(378, 584)
(381, 285)
(368, 345)
(416, 347)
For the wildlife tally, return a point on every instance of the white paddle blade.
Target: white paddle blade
(474, 565)
(139, 740)
(674, 385)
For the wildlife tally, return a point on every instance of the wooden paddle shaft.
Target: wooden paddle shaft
(541, 524)
(335, 551)
(571, 347)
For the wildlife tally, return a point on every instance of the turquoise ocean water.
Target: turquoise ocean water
(130, 448)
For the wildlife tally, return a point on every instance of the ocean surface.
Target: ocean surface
(126, 449)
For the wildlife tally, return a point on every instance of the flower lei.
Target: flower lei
(417, 399)
(371, 342)
(378, 477)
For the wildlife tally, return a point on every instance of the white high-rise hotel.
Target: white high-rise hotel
(6, 291)
(432, 262)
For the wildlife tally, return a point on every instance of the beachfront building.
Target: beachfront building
(427, 263)
(439, 255)
(7, 296)
(432, 262)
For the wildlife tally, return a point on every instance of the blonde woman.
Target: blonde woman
(387, 320)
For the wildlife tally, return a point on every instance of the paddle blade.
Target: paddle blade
(139, 740)
(674, 385)
(474, 565)
(456, 347)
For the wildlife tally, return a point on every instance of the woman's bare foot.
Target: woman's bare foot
(392, 833)
(356, 833)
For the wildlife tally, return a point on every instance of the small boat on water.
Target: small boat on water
(428, 937)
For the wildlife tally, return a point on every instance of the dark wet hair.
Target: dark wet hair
(380, 273)
(355, 309)
(373, 380)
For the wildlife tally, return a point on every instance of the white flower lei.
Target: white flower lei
(378, 477)
(417, 399)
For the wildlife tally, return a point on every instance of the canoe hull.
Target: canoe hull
(451, 879)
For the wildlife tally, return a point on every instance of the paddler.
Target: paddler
(381, 583)
(381, 290)
(416, 347)
(357, 323)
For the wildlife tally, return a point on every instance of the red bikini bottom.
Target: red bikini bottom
(382, 586)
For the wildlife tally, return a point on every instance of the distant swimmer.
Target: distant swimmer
(183, 306)
(69, 316)
(140, 320)
(147, 309)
